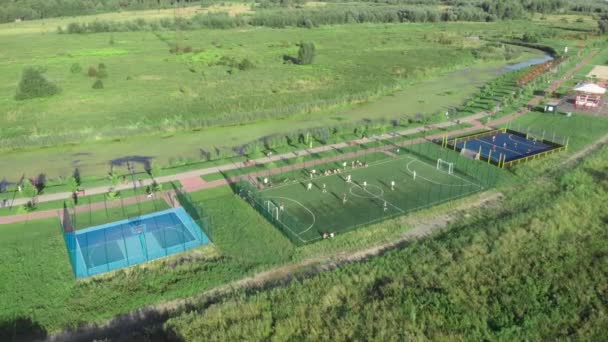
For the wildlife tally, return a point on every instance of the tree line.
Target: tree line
(494, 9)
(278, 17)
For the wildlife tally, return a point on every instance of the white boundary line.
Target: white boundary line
(525, 142)
(380, 198)
(372, 185)
(314, 218)
(343, 172)
(437, 183)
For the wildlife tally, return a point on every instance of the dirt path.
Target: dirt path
(153, 316)
(587, 150)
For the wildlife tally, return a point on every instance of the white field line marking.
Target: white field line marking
(380, 198)
(314, 218)
(498, 147)
(369, 185)
(523, 142)
(373, 164)
(438, 183)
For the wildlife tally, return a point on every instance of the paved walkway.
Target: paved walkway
(192, 179)
(167, 196)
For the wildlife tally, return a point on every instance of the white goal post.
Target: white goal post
(445, 166)
(273, 209)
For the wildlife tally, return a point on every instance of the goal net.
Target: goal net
(445, 166)
(272, 209)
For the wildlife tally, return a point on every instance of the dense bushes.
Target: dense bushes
(306, 53)
(33, 84)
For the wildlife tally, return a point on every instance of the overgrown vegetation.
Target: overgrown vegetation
(504, 272)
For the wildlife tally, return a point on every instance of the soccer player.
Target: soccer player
(493, 138)
(309, 186)
(414, 174)
(504, 145)
(343, 198)
(324, 188)
(364, 184)
(281, 207)
(385, 208)
(392, 185)
(348, 179)
(344, 166)
(265, 181)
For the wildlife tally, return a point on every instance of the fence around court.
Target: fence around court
(556, 143)
(132, 239)
(475, 176)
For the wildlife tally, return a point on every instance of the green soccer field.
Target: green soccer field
(334, 205)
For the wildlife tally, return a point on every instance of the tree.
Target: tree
(98, 84)
(72, 184)
(33, 84)
(75, 68)
(29, 190)
(92, 72)
(306, 54)
(602, 24)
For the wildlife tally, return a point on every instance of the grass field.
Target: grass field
(384, 185)
(308, 214)
(186, 92)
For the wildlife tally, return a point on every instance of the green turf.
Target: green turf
(307, 214)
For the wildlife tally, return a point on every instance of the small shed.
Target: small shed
(551, 107)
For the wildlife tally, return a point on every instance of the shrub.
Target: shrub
(306, 54)
(529, 37)
(98, 84)
(246, 64)
(102, 73)
(76, 68)
(92, 72)
(33, 84)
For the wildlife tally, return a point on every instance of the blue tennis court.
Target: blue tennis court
(133, 241)
(509, 146)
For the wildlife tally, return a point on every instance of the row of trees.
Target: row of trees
(309, 18)
(11, 10)
(39, 9)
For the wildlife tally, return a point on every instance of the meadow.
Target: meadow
(187, 101)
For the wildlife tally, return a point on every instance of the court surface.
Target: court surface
(133, 241)
(334, 205)
(504, 145)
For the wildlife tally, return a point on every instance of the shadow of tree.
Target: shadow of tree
(21, 329)
(142, 325)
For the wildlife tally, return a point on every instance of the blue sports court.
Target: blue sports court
(115, 245)
(504, 147)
